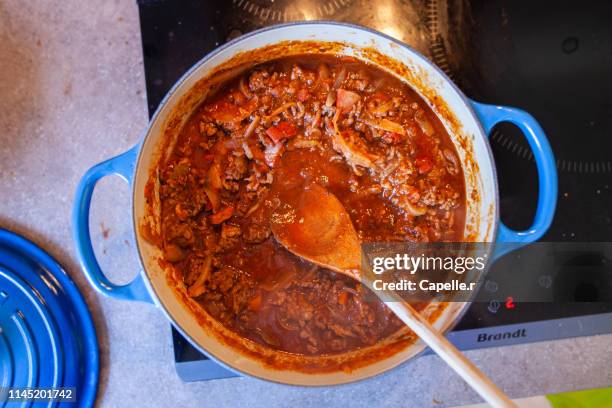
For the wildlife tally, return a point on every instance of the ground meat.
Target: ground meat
(207, 128)
(180, 233)
(259, 178)
(258, 80)
(256, 233)
(230, 231)
(354, 130)
(236, 167)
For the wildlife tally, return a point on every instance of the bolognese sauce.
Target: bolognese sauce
(352, 128)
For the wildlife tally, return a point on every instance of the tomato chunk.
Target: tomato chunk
(201, 158)
(273, 153)
(284, 130)
(223, 111)
(303, 95)
(346, 99)
(392, 137)
(222, 215)
(380, 96)
(424, 164)
(255, 303)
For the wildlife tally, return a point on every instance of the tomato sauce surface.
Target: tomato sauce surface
(348, 126)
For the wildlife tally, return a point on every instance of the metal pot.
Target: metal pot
(467, 122)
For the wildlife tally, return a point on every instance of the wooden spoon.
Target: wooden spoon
(316, 227)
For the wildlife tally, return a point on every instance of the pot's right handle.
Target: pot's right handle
(491, 115)
(122, 166)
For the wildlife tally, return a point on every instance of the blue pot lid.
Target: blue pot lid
(47, 337)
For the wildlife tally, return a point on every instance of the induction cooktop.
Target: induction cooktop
(550, 58)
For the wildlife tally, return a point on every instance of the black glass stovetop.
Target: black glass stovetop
(550, 58)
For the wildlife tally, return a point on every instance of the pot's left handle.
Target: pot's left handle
(122, 166)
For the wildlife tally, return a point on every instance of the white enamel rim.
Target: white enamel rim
(154, 277)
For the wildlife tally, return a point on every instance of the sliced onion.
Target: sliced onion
(350, 290)
(424, 124)
(323, 72)
(386, 125)
(383, 108)
(301, 110)
(247, 150)
(386, 171)
(213, 177)
(282, 282)
(453, 167)
(251, 128)
(303, 144)
(413, 209)
(213, 197)
(340, 317)
(317, 120)
(244, 89)
(340, 78)
(331, 99)
(280, 110)
(198, 288)
(350, 152)
(252, 209)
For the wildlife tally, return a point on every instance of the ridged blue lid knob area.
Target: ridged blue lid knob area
(47, 337)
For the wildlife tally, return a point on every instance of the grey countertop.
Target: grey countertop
(72, 94)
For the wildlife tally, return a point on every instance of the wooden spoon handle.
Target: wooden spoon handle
(449, 353)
